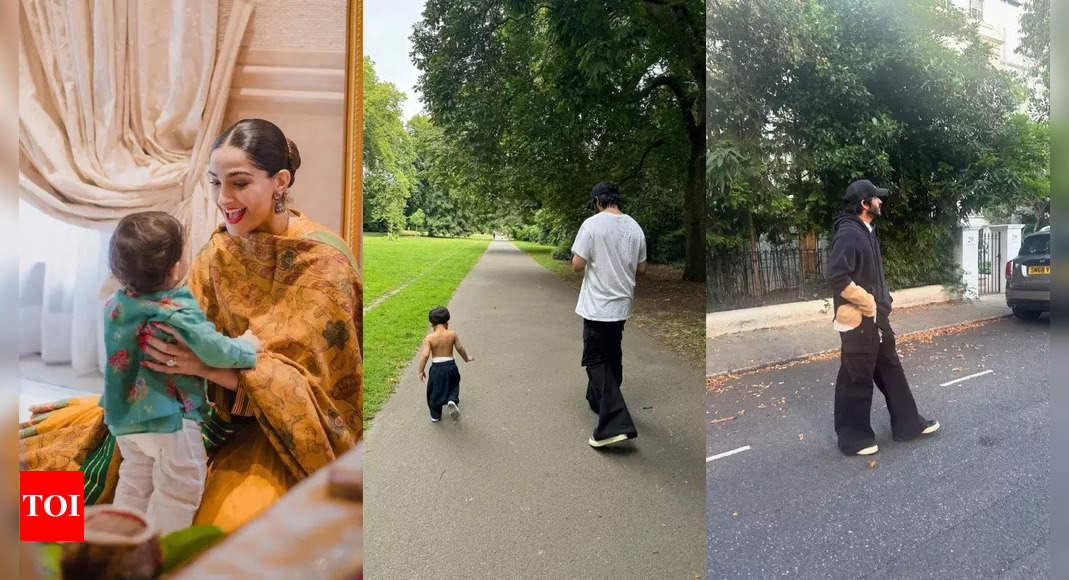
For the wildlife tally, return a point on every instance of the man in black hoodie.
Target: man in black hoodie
(862, 308)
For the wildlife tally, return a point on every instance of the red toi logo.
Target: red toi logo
(51, 506)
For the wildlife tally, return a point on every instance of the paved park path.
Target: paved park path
(512, 489)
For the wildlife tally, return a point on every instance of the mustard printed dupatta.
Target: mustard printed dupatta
(301, 294)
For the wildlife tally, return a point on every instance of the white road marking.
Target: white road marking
(727, 453)
(973, 376)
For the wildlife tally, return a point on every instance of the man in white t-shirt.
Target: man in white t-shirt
(610, 250)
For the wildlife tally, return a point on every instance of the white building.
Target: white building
(999, 24)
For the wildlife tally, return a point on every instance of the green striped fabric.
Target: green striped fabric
(215, 431)
(96, 469)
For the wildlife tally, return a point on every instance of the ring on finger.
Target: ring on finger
(171, 362)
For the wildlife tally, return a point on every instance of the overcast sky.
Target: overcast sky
(387, 26)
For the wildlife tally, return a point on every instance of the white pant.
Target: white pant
(162, 475)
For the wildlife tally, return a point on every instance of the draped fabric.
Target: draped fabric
(119, 101)
(61, 269)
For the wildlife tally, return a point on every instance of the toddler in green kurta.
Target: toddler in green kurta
(154, 416)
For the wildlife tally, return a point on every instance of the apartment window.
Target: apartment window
(976, 9)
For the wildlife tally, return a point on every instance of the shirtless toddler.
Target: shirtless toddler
(443, 385)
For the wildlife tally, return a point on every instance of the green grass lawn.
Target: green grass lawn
(544, 256)
(429, 270)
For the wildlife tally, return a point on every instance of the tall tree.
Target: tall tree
(387, 155)
(441, 212)
(1035, 44)
(548, 98)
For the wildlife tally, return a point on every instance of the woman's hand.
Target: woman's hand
(179, 359)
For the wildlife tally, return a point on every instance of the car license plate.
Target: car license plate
(1033, 270)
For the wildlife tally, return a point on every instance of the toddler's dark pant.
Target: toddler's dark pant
(443, 385)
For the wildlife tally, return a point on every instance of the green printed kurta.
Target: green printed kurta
(140, 400)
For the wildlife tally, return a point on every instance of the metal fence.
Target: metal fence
(989, 261)
(747, 278)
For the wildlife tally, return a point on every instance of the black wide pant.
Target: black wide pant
(603, 359)
(443, 385)
(865, 359)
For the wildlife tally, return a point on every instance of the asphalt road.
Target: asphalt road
(969, 502)
(513, 490)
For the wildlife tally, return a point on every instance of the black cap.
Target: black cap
(863, 189)
(608, 192)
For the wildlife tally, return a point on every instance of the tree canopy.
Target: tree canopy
(1035, 45)
(808, 95)
(388, 161)
(539, 101)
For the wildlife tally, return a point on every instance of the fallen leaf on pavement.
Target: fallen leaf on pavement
(722, 419)
(872, 464)
(801, 436)
(955, 370)
(742, 412)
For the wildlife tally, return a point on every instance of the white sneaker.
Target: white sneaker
(607, 441)
(454, 410)
(433, 420)
(869, 450)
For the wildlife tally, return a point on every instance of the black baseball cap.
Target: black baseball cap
(604, 188)
(863, 189)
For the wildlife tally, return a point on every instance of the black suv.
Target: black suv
(1028, 277)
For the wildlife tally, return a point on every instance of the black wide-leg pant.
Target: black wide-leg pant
(865, 360)
(603, 359)
(443, 385)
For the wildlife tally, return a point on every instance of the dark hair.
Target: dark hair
(607, 194)
(438, 315)
(265, 145)
(854, 206)
(144, 248)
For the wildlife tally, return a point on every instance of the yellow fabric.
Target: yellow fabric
(306, 389)
(66, 435)
(303, 299)
(245, 477)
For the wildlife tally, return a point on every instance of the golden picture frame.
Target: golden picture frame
(352, 210)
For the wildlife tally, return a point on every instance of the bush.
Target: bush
(667, 248)
(528, 233)
(918, 254)
(562, 252)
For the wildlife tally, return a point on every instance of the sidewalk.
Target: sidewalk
(513, 489)
(742, 351)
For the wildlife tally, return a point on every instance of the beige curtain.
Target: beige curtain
(120, 101)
